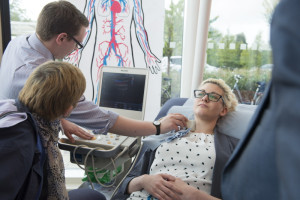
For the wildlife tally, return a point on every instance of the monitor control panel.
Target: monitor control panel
(110, 140)
(104, 146)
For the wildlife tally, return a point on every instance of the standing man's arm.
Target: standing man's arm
(285, 41)
(131, 127)
(90, 116)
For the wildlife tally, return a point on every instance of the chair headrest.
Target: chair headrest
(233, 124)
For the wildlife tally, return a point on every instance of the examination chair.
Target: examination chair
(233, 124)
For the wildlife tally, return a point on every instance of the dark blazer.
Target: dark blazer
(266, 163)
(224, 146)
(21, 161)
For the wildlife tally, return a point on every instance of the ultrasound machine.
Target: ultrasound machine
(107, 158)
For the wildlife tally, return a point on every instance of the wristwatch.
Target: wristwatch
(157, 125)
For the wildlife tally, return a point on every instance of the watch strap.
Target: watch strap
(157, 126)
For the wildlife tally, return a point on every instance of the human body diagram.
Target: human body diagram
(113, 22)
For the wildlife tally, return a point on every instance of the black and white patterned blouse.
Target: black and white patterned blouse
(190, 158)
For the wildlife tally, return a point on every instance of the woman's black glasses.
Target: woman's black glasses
(211, 96)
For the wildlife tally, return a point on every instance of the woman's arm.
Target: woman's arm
(190, 193)
(167, 187)
(160, 186)
(141, 167)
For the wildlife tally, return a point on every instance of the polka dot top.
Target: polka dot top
(190, 158)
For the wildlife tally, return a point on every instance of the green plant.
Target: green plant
(247, 84)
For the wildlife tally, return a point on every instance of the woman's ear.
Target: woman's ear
(223, 112)
(68, 112)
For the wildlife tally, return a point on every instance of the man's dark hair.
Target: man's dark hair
(60, 17)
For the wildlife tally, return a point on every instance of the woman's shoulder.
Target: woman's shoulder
(231, 138)
(222, 139)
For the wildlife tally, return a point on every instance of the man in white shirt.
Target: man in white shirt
(60, 29)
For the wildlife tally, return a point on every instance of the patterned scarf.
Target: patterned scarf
(55, 185)
(178, 134)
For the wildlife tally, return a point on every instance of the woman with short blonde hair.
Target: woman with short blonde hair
(229, 97)
(192, 159)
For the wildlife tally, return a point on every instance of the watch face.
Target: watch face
(156, 123)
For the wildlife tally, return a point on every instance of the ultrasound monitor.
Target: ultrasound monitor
(123, 90)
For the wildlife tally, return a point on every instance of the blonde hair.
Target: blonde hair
(229, 97)
(52, 88)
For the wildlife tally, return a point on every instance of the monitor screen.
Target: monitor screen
(122, 91)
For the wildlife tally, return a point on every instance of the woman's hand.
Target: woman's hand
(71, 128)
(161, 186)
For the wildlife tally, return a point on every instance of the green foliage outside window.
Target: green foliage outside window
(247, 84)
(17, 13)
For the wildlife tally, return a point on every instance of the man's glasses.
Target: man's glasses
(211, 96)
(78, 44)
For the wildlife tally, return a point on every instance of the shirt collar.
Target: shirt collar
(37, 44)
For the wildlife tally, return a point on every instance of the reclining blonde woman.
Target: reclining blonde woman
(190, 160)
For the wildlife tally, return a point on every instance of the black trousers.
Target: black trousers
(85, 193)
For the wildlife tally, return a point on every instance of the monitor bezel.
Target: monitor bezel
(139, 115)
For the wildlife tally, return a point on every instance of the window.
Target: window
(23, 15)
(172, 52)
(238, 49)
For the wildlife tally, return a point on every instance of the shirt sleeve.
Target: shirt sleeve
(90, 116)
